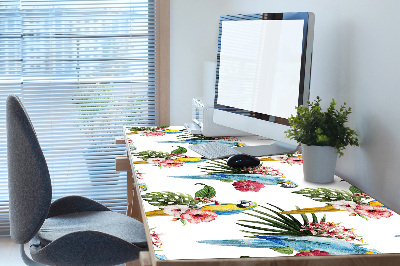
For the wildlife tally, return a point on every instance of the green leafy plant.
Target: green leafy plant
(312, 126)
(99, 103)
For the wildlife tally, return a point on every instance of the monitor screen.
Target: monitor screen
(263, 71)
(260, 64)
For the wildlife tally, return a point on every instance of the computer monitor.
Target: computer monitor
(263, 73)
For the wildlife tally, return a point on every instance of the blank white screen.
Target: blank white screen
(260, 64)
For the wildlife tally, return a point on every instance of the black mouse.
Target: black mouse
(242, 160)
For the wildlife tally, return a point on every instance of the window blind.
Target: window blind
(83, 69)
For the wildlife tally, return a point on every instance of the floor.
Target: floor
(9, 253)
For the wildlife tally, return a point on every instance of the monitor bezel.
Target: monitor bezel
(305, 70)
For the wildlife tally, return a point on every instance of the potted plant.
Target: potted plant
(323, 136)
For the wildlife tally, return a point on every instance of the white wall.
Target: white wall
(356, 60)
(194, 41)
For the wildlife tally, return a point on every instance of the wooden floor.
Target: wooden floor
(9, 253)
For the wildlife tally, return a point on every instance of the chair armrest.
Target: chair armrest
(72, 204)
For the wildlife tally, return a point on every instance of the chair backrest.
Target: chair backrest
(29, 183)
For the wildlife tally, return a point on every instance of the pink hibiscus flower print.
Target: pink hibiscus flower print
(155, 160)
(294, 160)
(248, 185)
(179, 155)
(312, 253)
(196, 216)
(171, 163)
(344, 205)
(375, 212)
(362, 195)
(175, 210)
(329, 229)
(153, 134)
(263, 170)
(227, 138)
(155, 239)
(139, 175)
(207, 200)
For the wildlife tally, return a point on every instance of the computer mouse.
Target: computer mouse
(242, 160)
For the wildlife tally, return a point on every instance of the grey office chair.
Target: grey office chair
(70, 231)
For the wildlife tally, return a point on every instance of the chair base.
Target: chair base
(26, 259)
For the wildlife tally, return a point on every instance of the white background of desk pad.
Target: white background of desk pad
(180, 241)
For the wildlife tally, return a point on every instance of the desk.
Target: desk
(200, 212)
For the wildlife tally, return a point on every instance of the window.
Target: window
(83, 69)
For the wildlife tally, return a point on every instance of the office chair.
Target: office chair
(70, 231)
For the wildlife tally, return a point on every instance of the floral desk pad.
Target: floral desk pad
(200, 209)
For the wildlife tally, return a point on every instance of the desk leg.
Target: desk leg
(133, 263)
(144, 260)
(133, 211)
(133, 198)
(129, 193)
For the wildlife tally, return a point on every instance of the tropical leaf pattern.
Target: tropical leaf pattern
(271, 221)
(194, 202)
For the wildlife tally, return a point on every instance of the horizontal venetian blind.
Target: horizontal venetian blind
(83, 69)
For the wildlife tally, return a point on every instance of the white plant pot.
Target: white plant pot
(319, 163)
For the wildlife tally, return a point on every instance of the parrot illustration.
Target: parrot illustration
(219, 209)
(191, 159)
(185, 160)
(192, 141)
(263, 179)
(229, 208)
(172, 131)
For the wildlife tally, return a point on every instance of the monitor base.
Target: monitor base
(275, 148)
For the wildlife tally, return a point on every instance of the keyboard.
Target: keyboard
(214, 150)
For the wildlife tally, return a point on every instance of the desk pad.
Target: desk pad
(201, 209)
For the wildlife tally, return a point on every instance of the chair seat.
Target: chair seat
(108, 222)
(77, 231)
